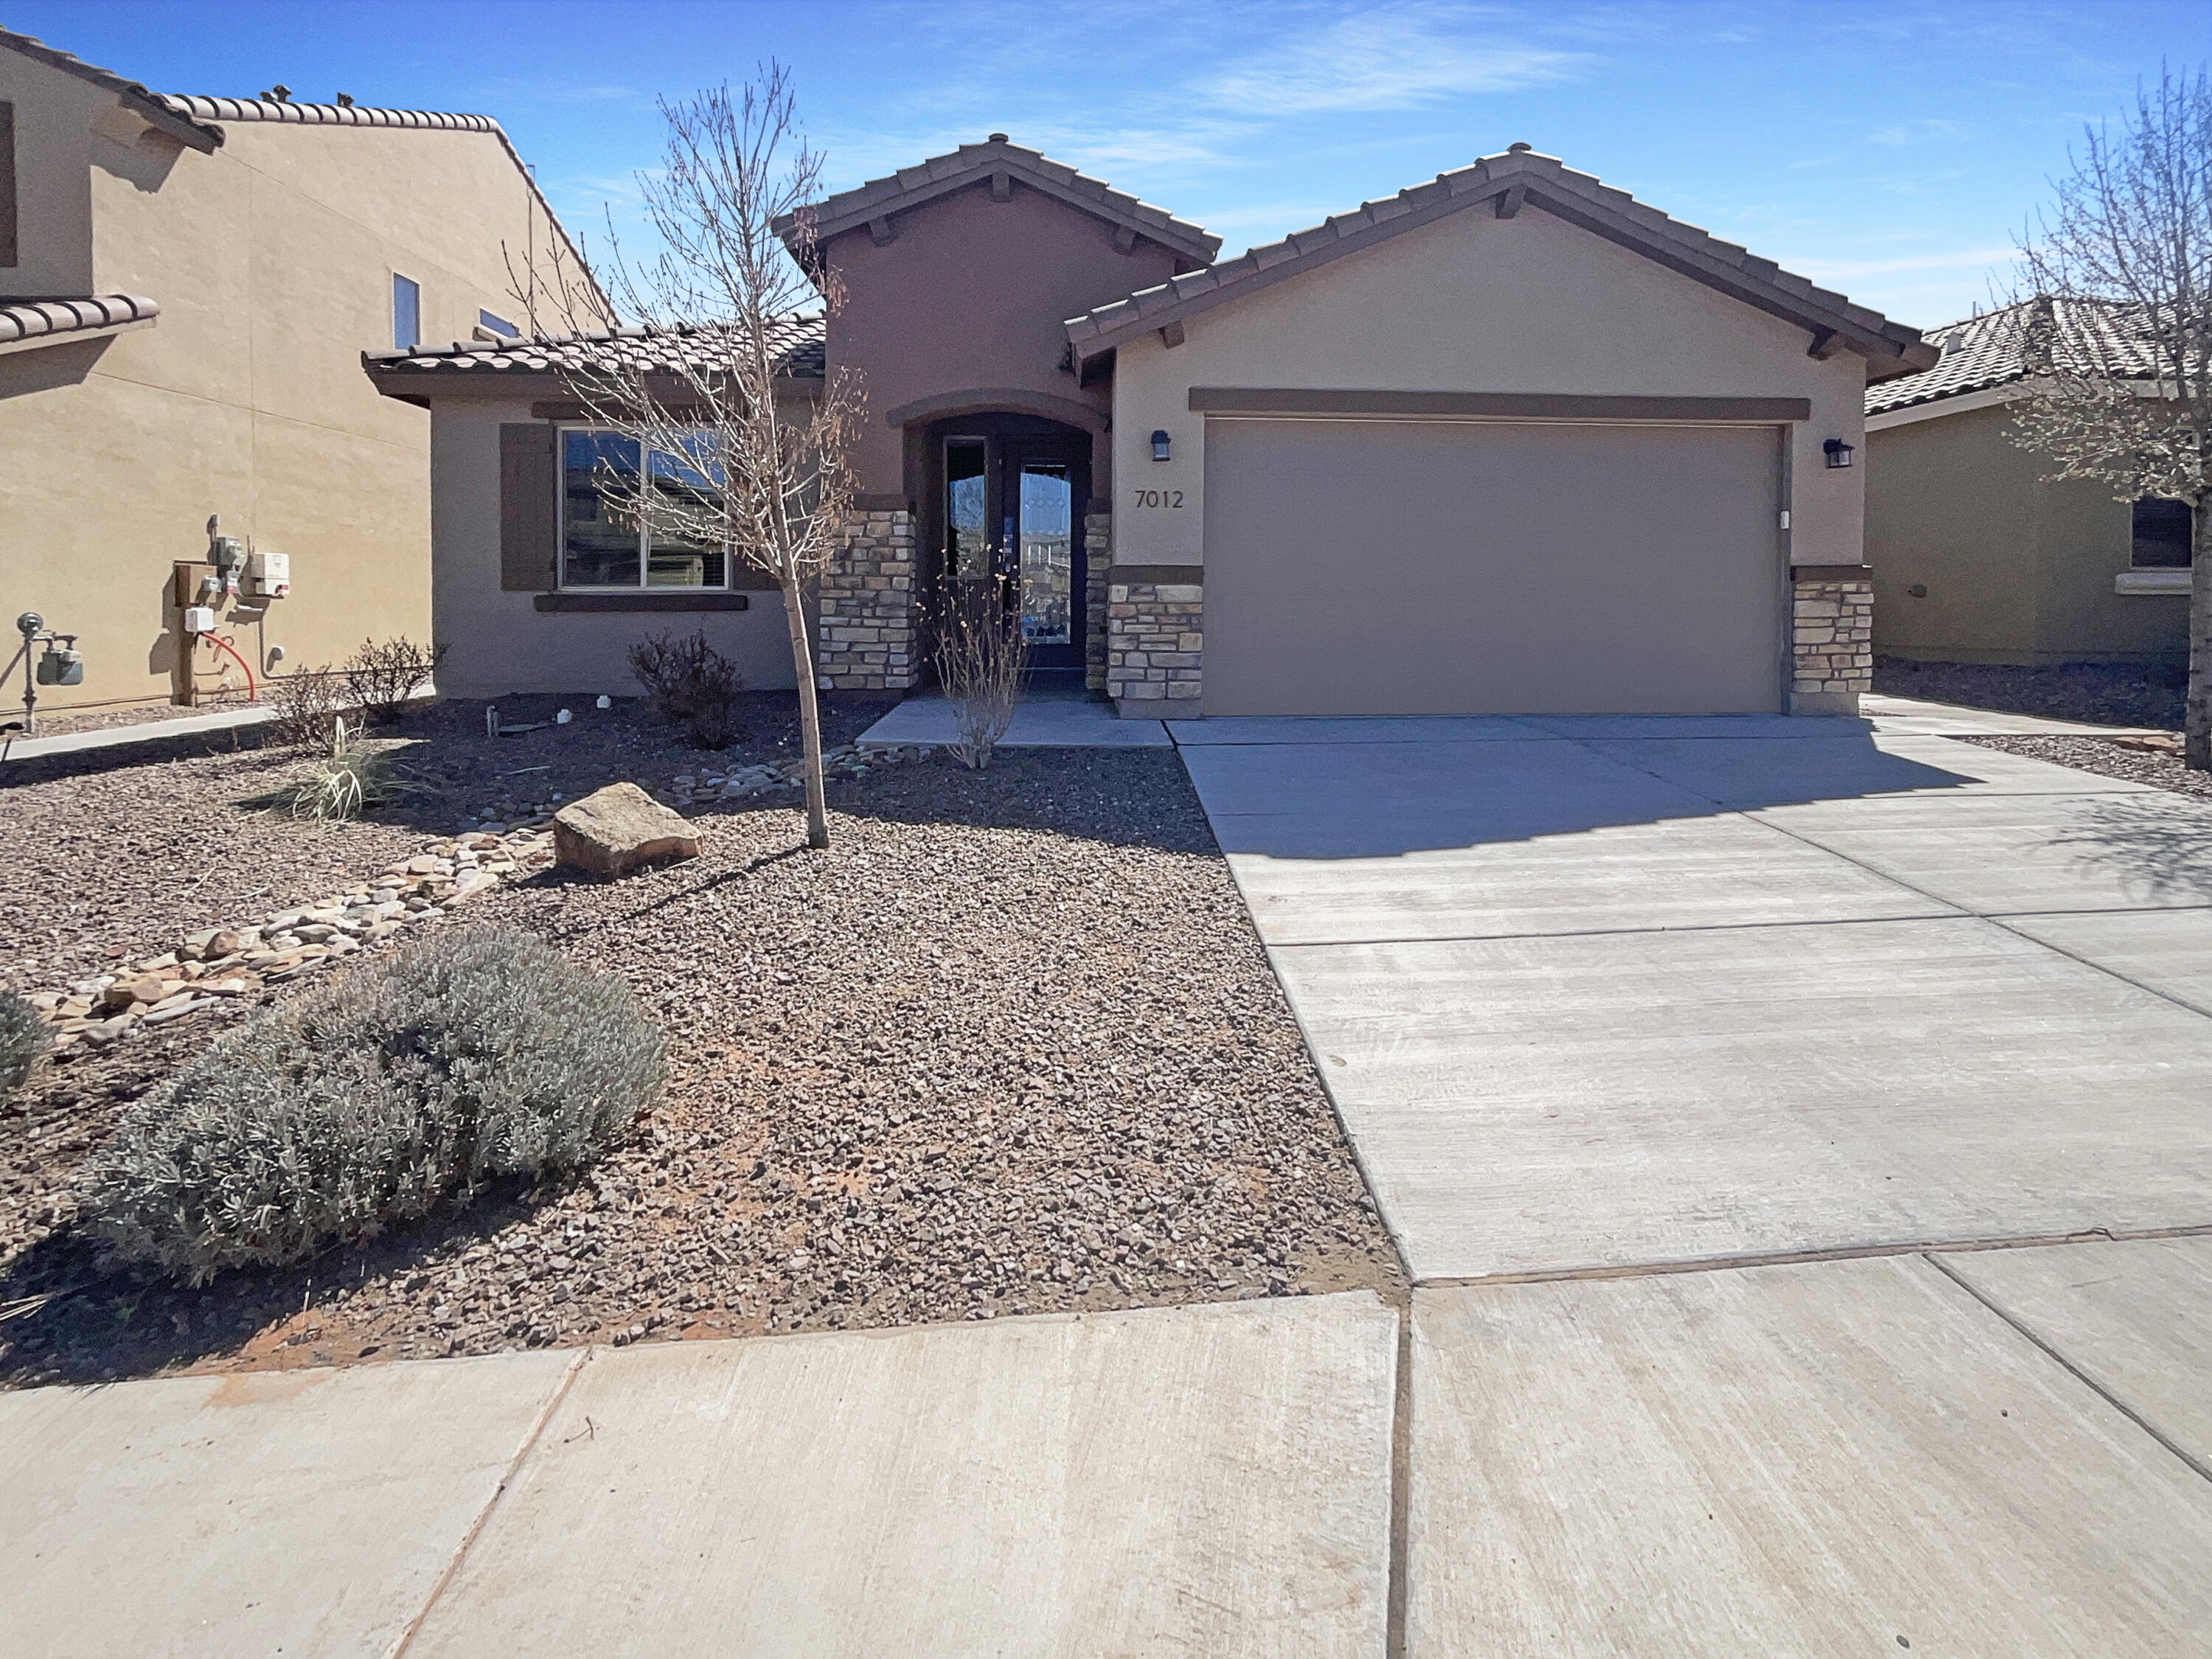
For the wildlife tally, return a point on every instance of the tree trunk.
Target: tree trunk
(2197, 710)
(810, 713)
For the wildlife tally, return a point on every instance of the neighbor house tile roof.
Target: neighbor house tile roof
(147, 103)
(26, 321)
(940, 176)
(1511, 180)
(1992, 349)
(799, 340)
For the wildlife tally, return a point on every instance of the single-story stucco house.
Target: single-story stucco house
(1976, 557)
(1510, 442)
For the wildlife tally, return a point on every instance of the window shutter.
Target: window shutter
(529, 508)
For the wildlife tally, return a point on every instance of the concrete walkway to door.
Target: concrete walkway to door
(1717, 1077)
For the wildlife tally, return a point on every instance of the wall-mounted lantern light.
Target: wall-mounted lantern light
(1160, 445)
(1837, 452)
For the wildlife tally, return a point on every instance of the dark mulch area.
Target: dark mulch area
(1009, 1046)
(2097, 694)
(2107, 759)
(127, 849)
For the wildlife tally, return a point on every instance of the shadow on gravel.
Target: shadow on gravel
(65, 1319)
(1121, 797)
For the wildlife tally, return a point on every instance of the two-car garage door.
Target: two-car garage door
(1411, 567)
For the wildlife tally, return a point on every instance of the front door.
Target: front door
(1013, 511)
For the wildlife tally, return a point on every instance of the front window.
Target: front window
(625, 526)
(2161, 535)
(406, 314)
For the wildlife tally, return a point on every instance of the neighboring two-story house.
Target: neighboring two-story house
(186, 286)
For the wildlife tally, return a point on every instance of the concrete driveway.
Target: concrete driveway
(1723, 1082)
(1597, 994)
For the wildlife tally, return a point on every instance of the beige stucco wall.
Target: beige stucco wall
(1475, 303)
(499, 641)
(272, 260)
(2016, 570)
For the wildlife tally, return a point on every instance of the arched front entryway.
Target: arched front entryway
(1003, 497)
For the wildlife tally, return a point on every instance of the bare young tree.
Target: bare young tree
(2116, 332)
(735, 450)
(982, 655)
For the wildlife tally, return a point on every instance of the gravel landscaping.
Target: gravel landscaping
(1009, 1046)
(2110, 758)
(2096, 694)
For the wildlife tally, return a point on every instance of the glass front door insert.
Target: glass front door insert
(1011, 508)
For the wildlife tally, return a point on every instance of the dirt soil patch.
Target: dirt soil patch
(1009, 1046)
(2096, 694)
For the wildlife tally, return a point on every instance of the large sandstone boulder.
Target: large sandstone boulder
(619, 829)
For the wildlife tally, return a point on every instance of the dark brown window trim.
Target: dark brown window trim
(9, 251)
(642, 601)
(1831, 572)
(1492, 406)
(1174, 574)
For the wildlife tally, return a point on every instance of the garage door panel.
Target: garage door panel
(1411, 568)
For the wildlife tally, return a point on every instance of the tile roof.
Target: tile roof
(940, 176)
(1891, 348)
(323, 115)
(148, 103)
(34, 319)
(799, 339)
(1991, 349)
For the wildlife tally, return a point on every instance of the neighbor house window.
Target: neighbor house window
(497, 324)
(2161, 535)
(406, 314)
(8, 251)
(625, 526)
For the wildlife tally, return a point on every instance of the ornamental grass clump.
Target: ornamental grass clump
(351, 773)
(369, 1102)
(24, 1038)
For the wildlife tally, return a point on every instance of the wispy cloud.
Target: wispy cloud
(1388, 57)
(1926, 131)
(1829, 270)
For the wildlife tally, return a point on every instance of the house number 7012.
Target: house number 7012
(1159, 498)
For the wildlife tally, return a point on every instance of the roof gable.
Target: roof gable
(877, 203)
(1507, 185)
(148, 105)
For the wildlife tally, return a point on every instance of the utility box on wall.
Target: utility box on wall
(269, 575)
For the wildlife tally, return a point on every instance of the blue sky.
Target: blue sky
(1891, 150)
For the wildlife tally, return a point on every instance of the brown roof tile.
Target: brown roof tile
(799, 339)
(939, 175)
(36, 319)
(1891, 348)
(1991, 349)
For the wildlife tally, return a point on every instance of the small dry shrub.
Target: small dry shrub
(353, 774)
(981, 656)
(368, 1102)
(383, 677)
(24, 1038)
(689, 682)
(307, 706)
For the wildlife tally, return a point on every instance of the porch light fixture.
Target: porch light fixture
(1837, 452)
(1160, 445)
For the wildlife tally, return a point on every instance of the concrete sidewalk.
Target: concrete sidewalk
(117, 737)
(1212, 1480)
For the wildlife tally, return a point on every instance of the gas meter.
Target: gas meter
(61, 662)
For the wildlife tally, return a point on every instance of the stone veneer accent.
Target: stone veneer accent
(869, 626)
(1831, 644)
(1154, 639)
(1098, 550)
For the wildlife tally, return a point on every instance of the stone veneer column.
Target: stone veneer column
(869, 621)
(1154, 641)
(1098, 551)
(1831, 641)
